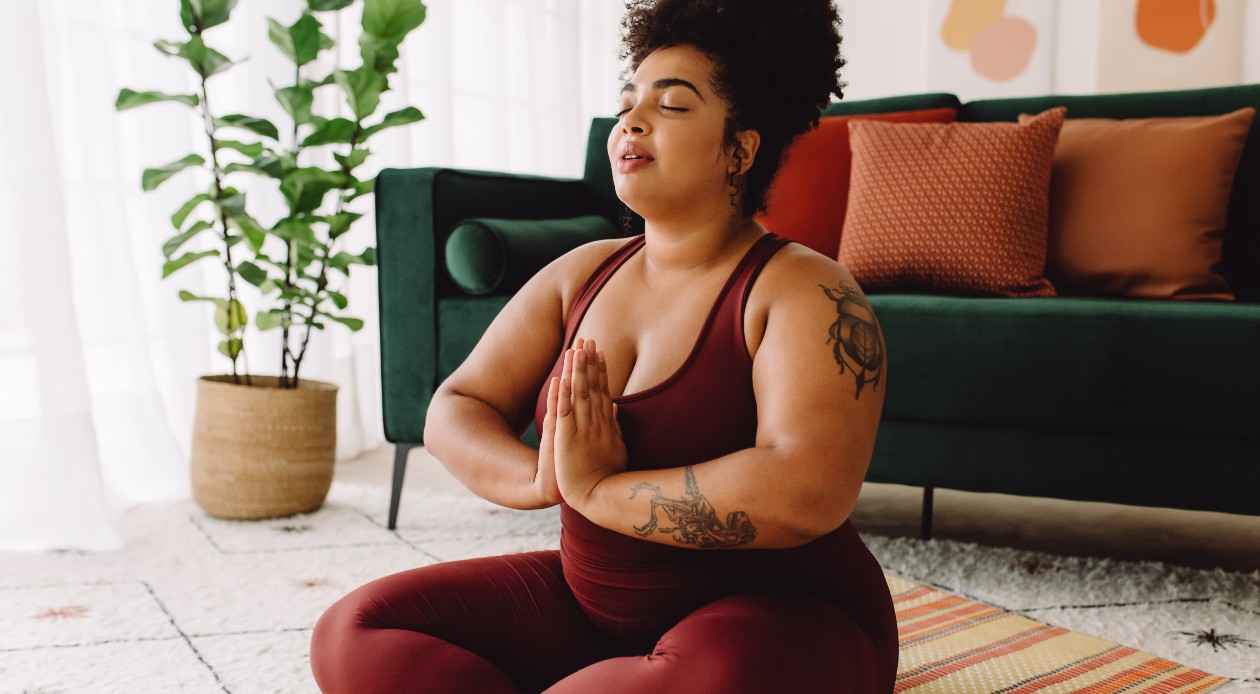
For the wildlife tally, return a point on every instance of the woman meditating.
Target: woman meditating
(706, 396)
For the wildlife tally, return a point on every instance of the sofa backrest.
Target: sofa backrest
(1241, 261)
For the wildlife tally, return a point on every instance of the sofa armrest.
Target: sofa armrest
(416, 209)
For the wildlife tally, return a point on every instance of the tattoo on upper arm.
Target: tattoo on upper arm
(695, 521)
(855, 337)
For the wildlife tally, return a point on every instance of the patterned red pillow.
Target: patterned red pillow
(808, 197)
(956, 208)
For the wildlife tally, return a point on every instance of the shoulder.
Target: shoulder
(563, 277)
(798, 274)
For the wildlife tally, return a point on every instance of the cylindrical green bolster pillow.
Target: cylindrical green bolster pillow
(500, 255)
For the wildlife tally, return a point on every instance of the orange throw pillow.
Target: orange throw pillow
(957, 208)
(1138, 206)
(807, 201)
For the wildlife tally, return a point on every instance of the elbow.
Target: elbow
(820, 512)
(434, 432)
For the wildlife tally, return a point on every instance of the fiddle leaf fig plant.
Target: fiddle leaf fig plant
(294, 260)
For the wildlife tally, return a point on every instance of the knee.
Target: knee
(336, 634)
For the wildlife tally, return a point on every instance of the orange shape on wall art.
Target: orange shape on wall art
(1174, 25)
(1003, 49)
(966, 19)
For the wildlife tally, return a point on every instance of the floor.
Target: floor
(1187, 538)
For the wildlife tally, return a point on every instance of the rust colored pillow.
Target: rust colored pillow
(957, 208)
(1138, 206)
(807, 201)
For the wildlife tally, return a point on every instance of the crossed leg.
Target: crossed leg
(755, 643)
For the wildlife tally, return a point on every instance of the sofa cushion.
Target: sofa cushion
(957, 208)
(1138, 206)
(810, 194)
(1241, 247)
(1074, 363)
(485, 256)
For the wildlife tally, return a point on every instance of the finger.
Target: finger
(616, 410)
(581, 387)
(553, 395)
(564, 406)
(592, 365)
(603, 384)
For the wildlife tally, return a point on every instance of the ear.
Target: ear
(749, 141)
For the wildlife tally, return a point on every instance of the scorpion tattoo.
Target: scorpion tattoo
(696, 523)
(855, 336)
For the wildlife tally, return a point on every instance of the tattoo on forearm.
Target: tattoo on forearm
(695, 521)
(855, 336)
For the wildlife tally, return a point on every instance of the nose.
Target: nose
(631, 122)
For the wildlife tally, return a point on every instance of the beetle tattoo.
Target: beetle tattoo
(696, 523)
(855, 337)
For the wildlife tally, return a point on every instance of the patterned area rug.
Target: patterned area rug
(197, 604)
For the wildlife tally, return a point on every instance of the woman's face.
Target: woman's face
(667, 148)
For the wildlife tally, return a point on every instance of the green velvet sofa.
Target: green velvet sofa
(1153, 403)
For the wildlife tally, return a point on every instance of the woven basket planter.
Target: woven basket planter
(262, 451)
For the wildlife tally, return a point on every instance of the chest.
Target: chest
(648, 332)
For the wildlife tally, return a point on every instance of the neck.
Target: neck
(676, 248)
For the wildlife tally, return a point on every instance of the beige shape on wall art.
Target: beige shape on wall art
(1002, 50)
(966, 19)
(1128, 62)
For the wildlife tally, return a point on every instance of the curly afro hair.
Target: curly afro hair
(775, 64)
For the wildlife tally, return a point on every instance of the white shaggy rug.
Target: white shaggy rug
(197, 604)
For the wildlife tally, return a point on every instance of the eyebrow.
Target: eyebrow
(664, 83)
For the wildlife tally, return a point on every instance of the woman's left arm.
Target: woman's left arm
(819, 376)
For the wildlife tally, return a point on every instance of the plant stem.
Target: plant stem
(208, 120)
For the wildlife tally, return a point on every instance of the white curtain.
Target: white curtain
(98, 357)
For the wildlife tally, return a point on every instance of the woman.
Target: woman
(705, 482)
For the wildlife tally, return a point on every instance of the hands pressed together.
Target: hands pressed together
(580, 443)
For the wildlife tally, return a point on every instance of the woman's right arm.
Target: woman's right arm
(477, 415)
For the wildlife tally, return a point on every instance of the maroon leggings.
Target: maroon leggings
(511, 624)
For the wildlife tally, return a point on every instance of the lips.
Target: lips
(632, 157)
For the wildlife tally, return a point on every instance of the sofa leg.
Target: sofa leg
(400, 468)
(925, 518)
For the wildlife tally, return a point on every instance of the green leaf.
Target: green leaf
(199, 15)
(177, 219)
(378, 54)
(356, 157)
(334, 131)
(267, 320)
(204, 60)
(152, 178)
(339, 300)
(251, 273)
(411, 114)
(392, 19)
(362, 188)
(296, 101)
(342, 261)
(305, 188)
(167, 47)
(260, 126)
(231, 347)
(354, 324)
(294, 230)
(251, 229)
(128, 98)
(328, 5)
(339, 223)
(230, 317)
(174, 243)
(266, 165)
(363, 87)
(233, 202)
(189, 296)
(249, 149)
(300, 42)
(171, 266)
